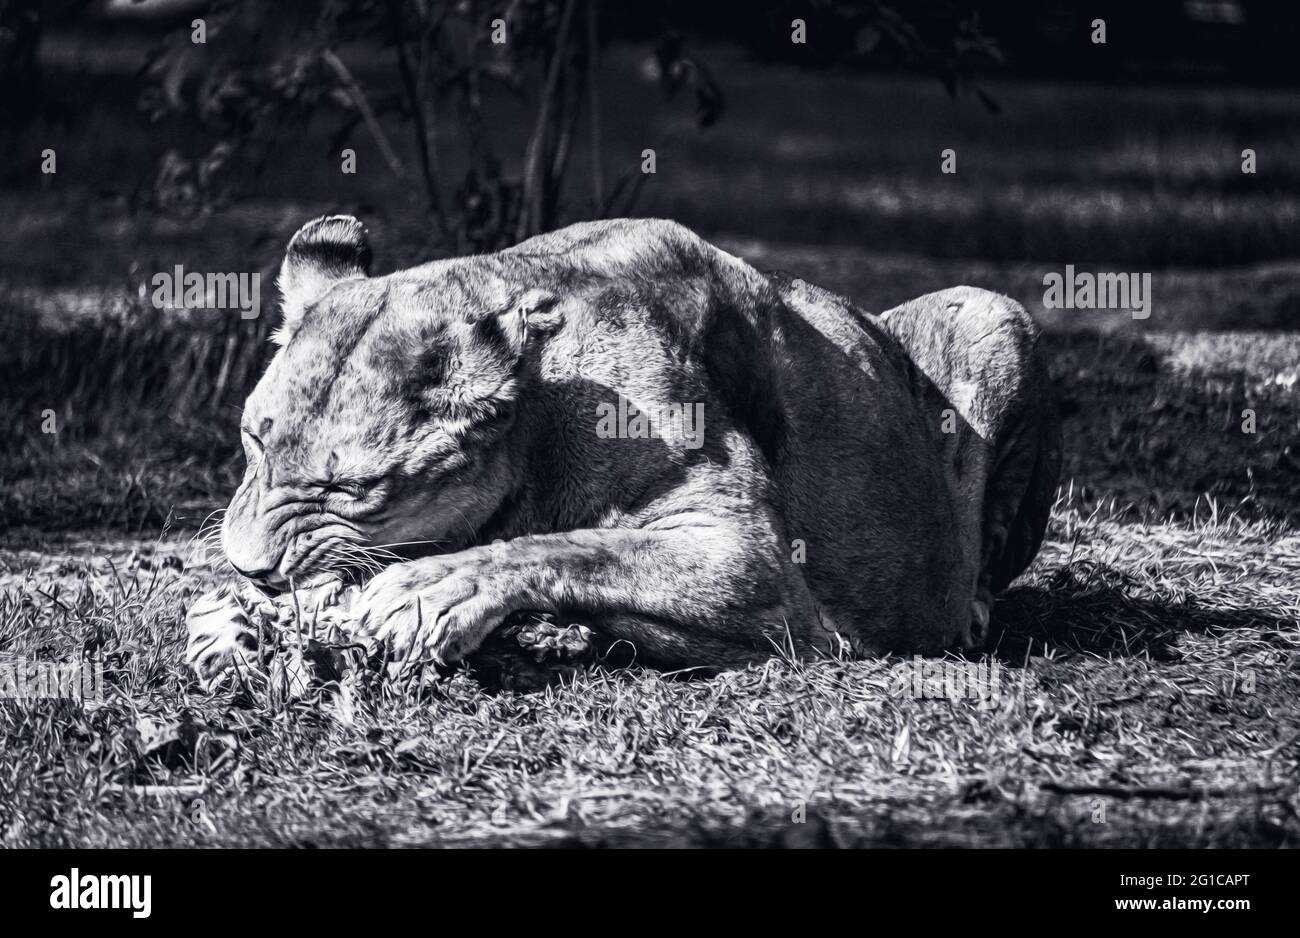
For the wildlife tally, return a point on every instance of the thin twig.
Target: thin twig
(367, 113)
(417, 119)
(530, 215)
(593, 106)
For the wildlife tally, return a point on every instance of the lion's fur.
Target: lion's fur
(825, 501)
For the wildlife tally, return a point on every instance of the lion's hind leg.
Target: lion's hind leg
(977, 369)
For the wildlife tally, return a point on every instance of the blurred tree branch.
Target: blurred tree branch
(285, 65)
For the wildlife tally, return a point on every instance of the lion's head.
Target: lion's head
(388, 414)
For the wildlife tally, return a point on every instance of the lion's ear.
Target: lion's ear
(534, 312)
(322, 253)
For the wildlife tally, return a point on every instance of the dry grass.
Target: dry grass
(1148, 677)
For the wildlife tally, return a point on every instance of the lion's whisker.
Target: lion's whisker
(350, 555)
(403, 544)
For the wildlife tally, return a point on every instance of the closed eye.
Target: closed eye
(350, 489)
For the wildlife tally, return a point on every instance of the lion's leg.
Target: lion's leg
(692, 592)
(981, 377)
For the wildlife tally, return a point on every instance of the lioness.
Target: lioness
(845, 478)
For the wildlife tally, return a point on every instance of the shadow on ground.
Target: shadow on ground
(1092, 608)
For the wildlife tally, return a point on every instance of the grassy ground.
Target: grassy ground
(1147, 661)
(1147, 697)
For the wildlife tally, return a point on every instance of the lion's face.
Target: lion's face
(385, 421)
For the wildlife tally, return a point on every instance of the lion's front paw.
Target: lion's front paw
(438, 608)
(221, 636)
